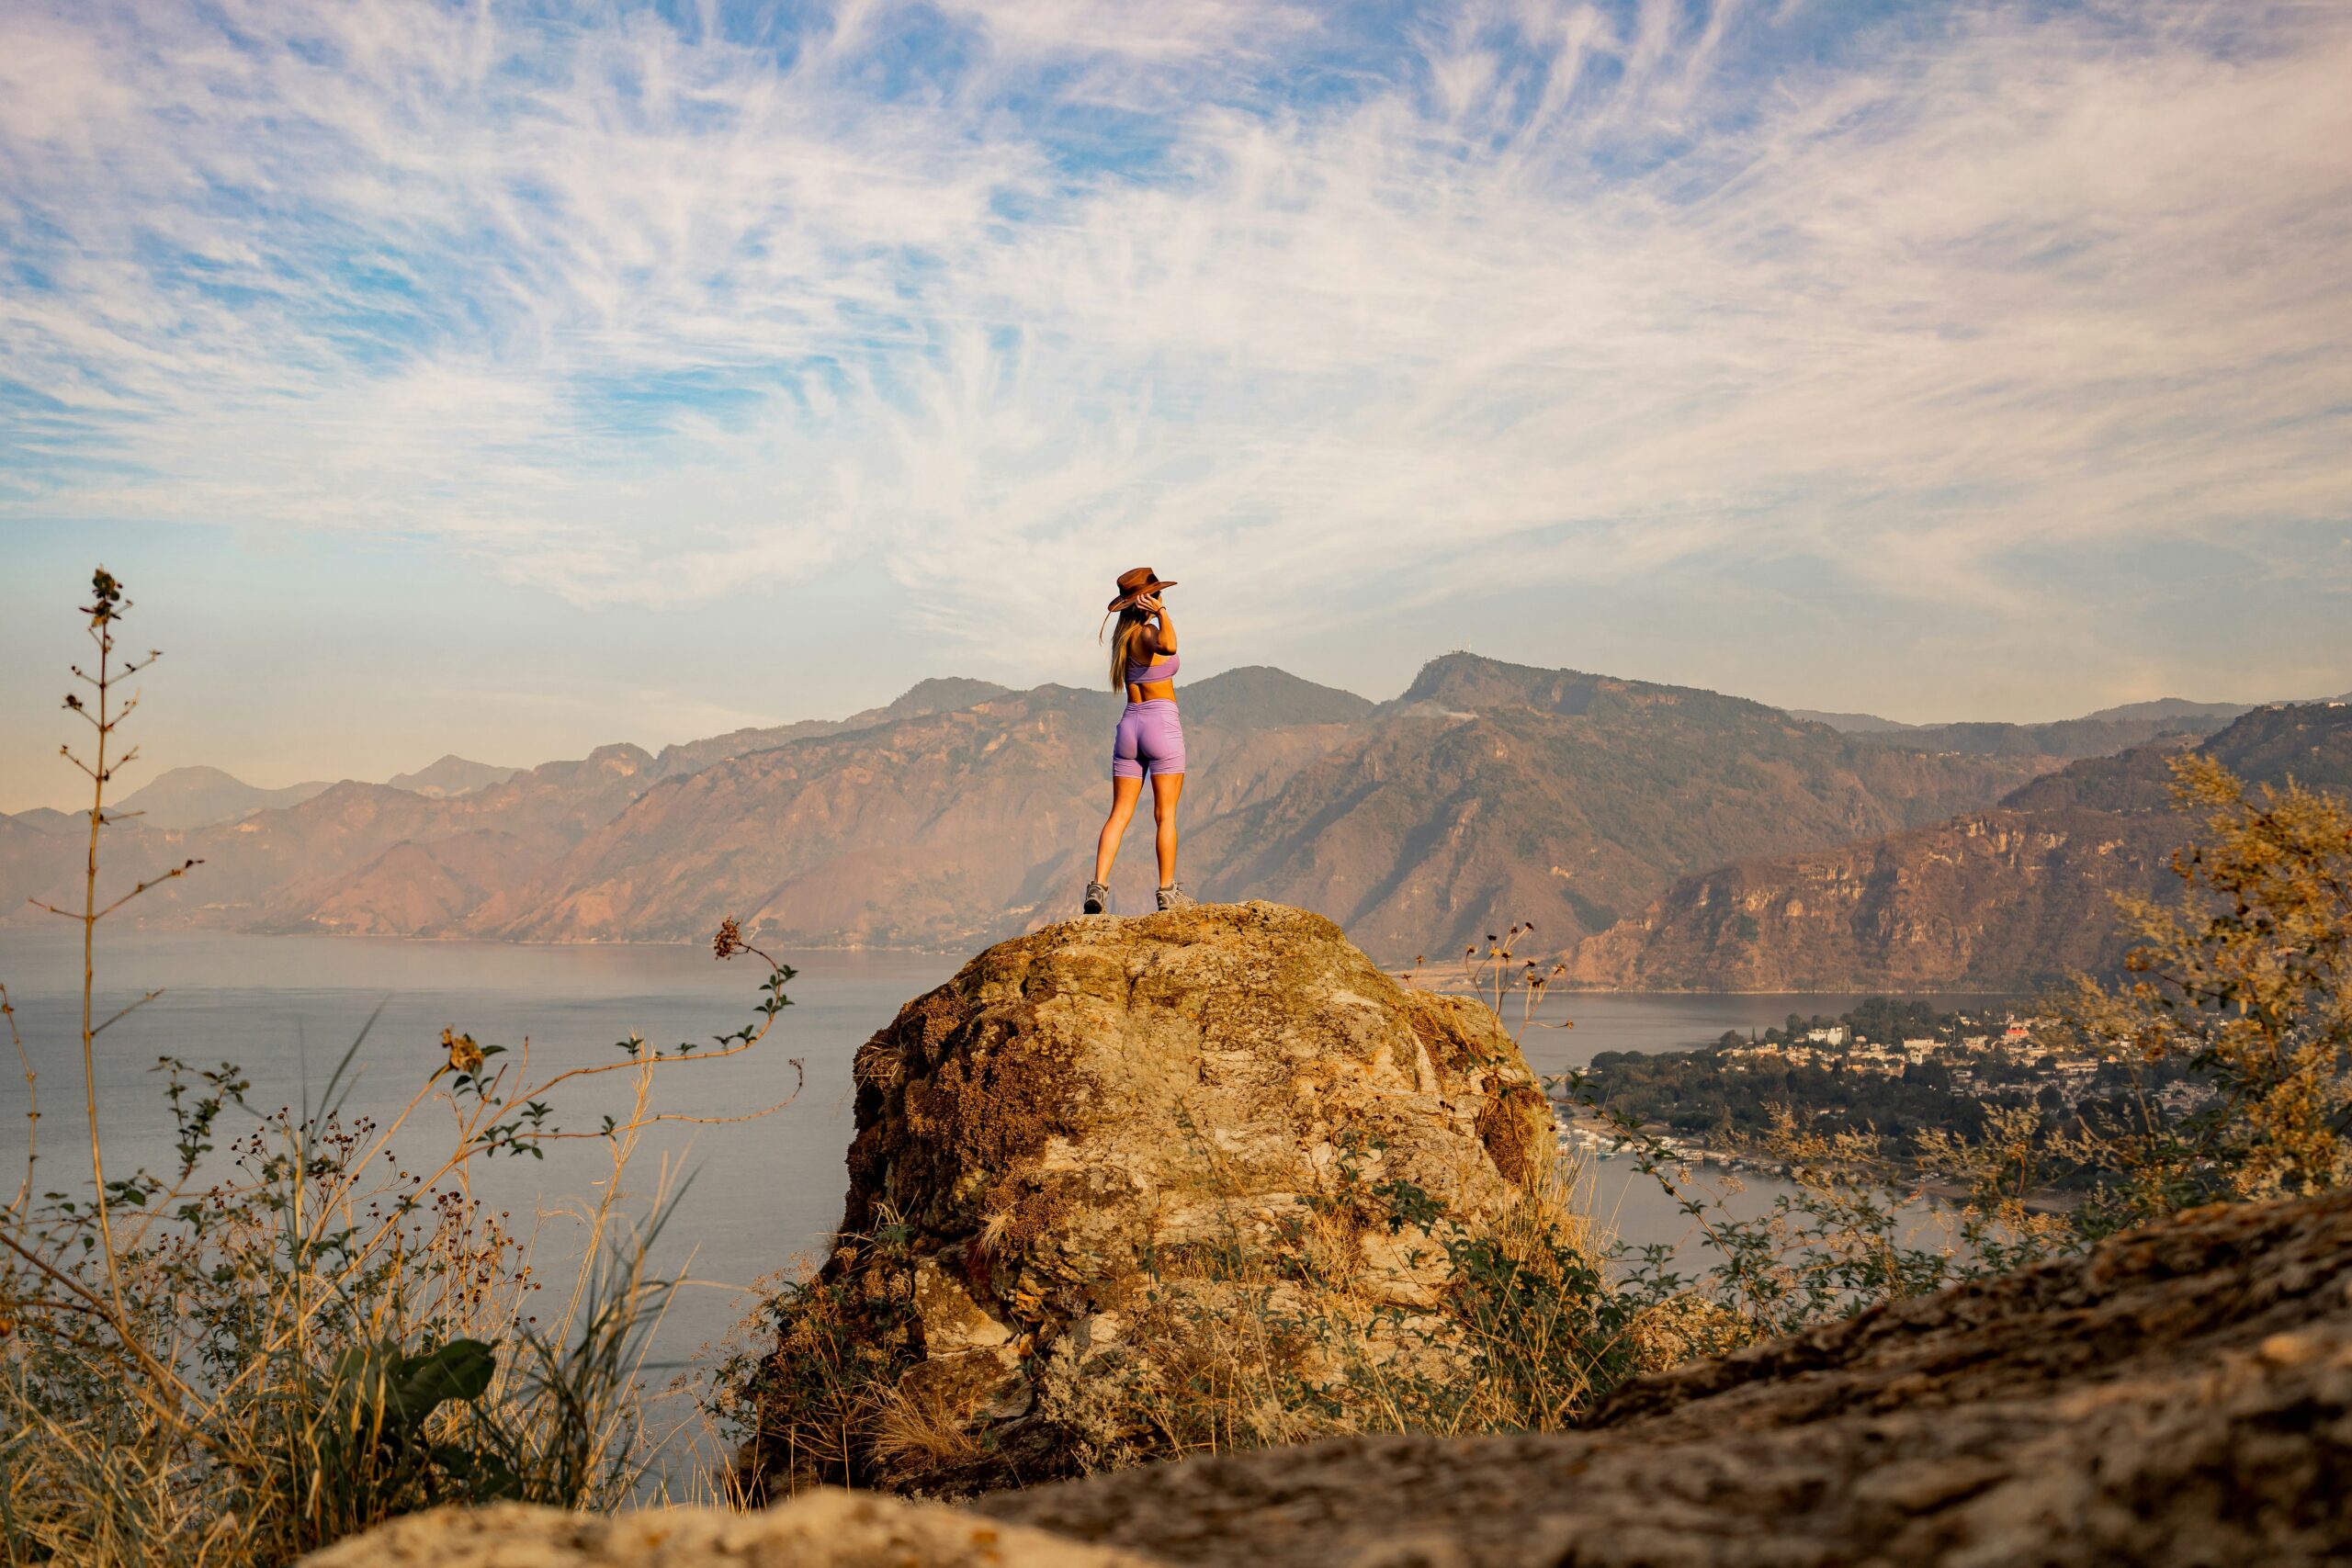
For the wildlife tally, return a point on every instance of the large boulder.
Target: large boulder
(1094, 1153)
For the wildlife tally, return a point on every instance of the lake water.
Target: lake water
(762, 1194)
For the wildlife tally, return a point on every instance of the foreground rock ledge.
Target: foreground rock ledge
(2183, 1396)
(1053, 1148)
(823, 1529)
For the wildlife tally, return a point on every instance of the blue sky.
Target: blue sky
(510, 378)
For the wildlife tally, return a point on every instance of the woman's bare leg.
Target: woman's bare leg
(1123, 795)
(1165, 789)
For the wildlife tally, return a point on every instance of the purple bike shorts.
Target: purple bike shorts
(1150, 741)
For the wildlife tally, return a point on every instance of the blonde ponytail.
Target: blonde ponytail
(1121, 641)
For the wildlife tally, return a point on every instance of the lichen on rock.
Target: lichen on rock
(1104, 1149)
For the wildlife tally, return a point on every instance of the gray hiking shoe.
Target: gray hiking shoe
(1174, 898)
(1098, 898)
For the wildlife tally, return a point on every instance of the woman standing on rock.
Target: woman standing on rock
(1150, 739)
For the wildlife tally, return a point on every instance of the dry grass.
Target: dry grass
(927, 1427)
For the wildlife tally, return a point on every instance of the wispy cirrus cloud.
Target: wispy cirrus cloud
(638, 308)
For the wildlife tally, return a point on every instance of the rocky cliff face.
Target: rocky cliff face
(2179, 1396)
(1991, 901)
(1062, 1146)
(2001, 900)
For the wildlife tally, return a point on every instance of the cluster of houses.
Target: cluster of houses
(1834, 1046)
(1968, 1058)
(1980, 1060)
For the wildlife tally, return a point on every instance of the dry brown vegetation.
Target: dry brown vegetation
(296, 1330)
(2248, 979)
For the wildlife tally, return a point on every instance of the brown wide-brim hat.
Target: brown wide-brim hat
(1134, 585)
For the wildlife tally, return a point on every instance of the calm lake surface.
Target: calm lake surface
(757, 1196)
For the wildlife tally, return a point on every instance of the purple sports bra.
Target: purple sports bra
(1142, 674)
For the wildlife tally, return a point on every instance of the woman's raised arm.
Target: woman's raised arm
(1163, 628)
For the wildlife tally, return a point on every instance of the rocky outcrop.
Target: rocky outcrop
(1061, 1154)
(2181, 1395)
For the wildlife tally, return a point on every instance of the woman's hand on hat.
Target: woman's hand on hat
(1148, 601)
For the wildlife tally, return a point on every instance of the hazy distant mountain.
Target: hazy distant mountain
(2067, 738)
(46, 820)
(274, 869)
(2093, 735)
(2005, 899)
(939, 694)
(2171, 707)
(1850, 723)
(452, 775)
(418, 887)
(190, 798)
(1261, 696)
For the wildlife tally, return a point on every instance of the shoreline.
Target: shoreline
(1422, 980)
(1599, 1141)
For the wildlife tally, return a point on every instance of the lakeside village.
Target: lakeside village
(1894, 1067)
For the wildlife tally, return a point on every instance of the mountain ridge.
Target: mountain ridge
(941, 829)
(1482, 794)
